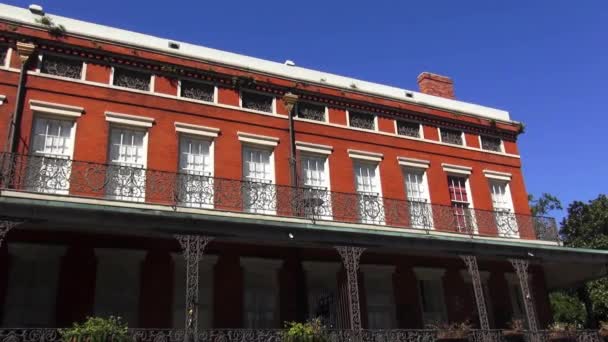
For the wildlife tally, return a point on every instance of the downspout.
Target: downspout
(25, 50)
(290, 101)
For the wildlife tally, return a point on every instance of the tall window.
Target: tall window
(418, 198)
(490, 143)
(127, 159)
(451, 136)
(128, 78)
(515, 295)
(61, 66)
(258, 174)
(367, 181)
(431, 296)
(506, 221)
(379, 294)
(457, 186)
(196, 171)
(315, 180)
(52, 145)
(261, 293)
(257, 101)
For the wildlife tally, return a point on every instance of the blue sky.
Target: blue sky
(544, 61)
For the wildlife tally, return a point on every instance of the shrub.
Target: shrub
(97, 329)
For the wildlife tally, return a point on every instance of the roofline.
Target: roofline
(161, 45)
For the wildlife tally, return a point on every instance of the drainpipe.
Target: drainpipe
(290, 100)
(25, 50)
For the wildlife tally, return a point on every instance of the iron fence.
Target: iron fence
(121, 182)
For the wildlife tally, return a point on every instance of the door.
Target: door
(316, 197)
(259, 193)
(418, 198)
(506, 222)
(126, 172)
(371, 209)
(195, 182)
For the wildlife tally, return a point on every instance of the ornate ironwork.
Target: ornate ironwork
(362, 120)
(451, 136)
(257, 101)
(410, 129)
(565, 335)
(44, 174)
(521, 268)
(29, 335)
(157, 335)
(479, 335)
(197, 91)
(350, 258)
(128, 78)
(491, 143)
(61, 66)
(471, 262)
(193, 247)
(6, 225)
(311, 111)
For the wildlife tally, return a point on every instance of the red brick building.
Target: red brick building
(295, 193)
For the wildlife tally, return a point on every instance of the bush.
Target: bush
(97, 329)
(311, 331)
(567, 309)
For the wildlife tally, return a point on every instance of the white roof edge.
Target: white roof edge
(112, 34)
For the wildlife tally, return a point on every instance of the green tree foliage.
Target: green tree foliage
(567, 308)
(543, 205)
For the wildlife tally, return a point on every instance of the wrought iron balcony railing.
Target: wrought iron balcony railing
(277, 335)
(53, 175)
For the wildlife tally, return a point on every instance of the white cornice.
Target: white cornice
(365, 155)
(55, 108)
(204, 131)
(258, 139)
(313, 148)
(412, 162)
(129, 120)
(497, 175)
(459, 169)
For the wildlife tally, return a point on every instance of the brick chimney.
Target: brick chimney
(436, 85)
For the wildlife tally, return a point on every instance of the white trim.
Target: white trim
(150, 90)
(420, 128)
(193, 80)
(502, 143)
(56, 108)
(2, 98)
(273, 106)
(220, 105)
(260, 264)
(462, 137)
(428, 273)
(129, 120)
(257, 139)
(314, 148)
(364, 155)
(270, 218)
(7, 61)
(375, 129)
(326, 113)
(412, 162)
(456, 169)
(203, 131)
(497, 175)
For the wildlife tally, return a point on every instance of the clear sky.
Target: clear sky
(546, 62)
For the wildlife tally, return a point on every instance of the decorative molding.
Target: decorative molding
(204, 131)
(130, 120)
(258, 139)
(364, 155)
(497, 175)
(412, 162)
(314, 148)
(2, 99)
(428, 273)
(56, 108)
(459, 169)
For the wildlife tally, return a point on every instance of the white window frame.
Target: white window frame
(2, 99)
(83, 72)
(261, 143)
(362, 112)
(421, 166)
(431, 274)
(179, 90)
(374, 159)
(326, 112)
(463, 137)
(306, 153)
(274, 101)
(420, 130)
(502, 144)
(186, 133)
(152, 79)
(374, 275)
(463, 172)
(508, 212)
(7, 61)
(267, 268)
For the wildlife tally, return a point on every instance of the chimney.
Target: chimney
(436, 85)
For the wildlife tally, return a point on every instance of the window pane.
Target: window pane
(53, 137)
(311, 111)
(451, 136)
(491, 144)
(257, 101)
(127, 147)
(131, 79)
(362, 120)
(409, 129)
(197, 91)
(457, 189)
(61, 66)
